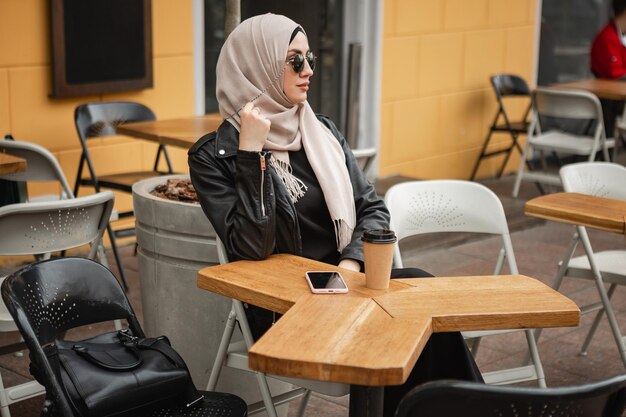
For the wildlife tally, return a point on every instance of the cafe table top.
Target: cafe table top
(10, 164)
(374, 337)
(182, 132)
(580, 209)
(607, 89)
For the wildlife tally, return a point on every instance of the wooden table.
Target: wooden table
(10, 164)
(182, 133)
(581, 210)
(607, 89)
(372, 338)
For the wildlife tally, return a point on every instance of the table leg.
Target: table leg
(12, 192)
(366, 401)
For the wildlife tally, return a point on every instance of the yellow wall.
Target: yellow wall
(27, 111)
(437, 102)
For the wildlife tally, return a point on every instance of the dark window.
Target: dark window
(322, 21)
(100, 46)
(568, 28)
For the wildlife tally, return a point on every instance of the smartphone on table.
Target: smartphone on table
(326, 282)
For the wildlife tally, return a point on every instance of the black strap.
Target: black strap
(84, 352)
(164, 348)
(52, 353)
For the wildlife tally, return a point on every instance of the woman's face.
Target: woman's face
(296, 85)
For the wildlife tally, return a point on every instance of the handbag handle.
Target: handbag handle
(84, 352)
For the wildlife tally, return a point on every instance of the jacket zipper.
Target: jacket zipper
(263, 167)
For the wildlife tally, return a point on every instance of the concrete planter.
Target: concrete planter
(174, 241)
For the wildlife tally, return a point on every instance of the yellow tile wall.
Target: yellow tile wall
(28, 112)
(437, 101)
(465, 14)
(5, 122)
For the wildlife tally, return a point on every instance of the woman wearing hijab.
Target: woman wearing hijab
(277, 178)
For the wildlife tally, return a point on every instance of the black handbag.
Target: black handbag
(117, 374)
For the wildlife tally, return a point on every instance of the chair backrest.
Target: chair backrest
(42, 227)
(102, 118)
(471, 399)
(41, 165)
(602, 179)
(567, 104)
(419, 207)
(50, 297)
(365, 157)
(509, 85)
(56, 295)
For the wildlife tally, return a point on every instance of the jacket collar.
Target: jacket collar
(226, 140)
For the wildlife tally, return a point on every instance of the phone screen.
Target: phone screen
(326, 280)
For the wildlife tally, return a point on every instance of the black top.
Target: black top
(316, 226)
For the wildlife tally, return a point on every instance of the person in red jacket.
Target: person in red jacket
(608, 51)
(608, 59)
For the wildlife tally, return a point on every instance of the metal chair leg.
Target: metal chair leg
(596, 321)
(482, 153)
(303, 403)
(603, 294)
(520, 173)
(558, 280)
(534, 353)
(222, 350)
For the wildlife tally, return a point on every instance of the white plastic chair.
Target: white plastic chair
(607, 180)
(566, 104)
(41, 166)
(40, 228)
(235, 355)
(419, 207)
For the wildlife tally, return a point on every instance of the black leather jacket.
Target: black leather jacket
(248, 205)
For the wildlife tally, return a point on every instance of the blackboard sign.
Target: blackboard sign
(100, 46)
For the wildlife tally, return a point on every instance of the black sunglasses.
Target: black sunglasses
(297, 61)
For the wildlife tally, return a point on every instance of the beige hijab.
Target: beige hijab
(250, 68)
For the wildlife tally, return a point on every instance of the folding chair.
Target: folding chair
(235, 355)
(48, 298)
(419, 207)
(471, 399)
(607, 267)
(505, 86)
(99, 120)
(40, 228)
(41, 166)
(563, 104)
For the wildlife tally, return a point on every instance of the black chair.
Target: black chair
(100, 120)
(50, 297)
(505, 85)
(472, 399)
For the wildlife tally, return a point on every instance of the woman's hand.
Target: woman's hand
(254, 129)
(350, 264)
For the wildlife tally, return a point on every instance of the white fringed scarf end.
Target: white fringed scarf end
(295, 187)
(343, 233)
